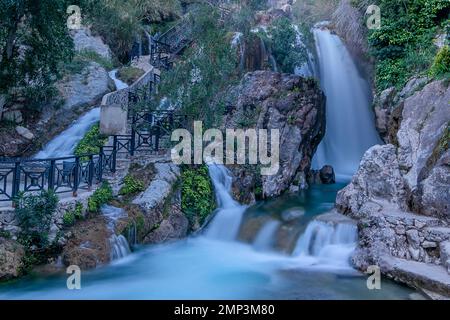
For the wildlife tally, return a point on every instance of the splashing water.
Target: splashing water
(350, 123)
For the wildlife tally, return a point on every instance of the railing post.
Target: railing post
(133, 135)
(91, 172)
(76, 176)
(101, 163)
(51, 176)
(158, 132)
(16, 180)
(114, 155)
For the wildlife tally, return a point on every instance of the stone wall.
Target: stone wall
(114, 107)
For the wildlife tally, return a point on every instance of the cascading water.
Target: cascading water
(65, 143)
(330, 243)
(265, 238)
(225, 225)
(350, 123)
(119, 244)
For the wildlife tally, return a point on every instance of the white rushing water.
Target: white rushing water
(266, 236)
(350, 122)
(211, 266)
(119, 244)
(328, 243)
(65, 143)
(227, 221)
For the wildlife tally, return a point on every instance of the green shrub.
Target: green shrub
(100, 197)
(129, 75)
(91, 142)
(131, 186)
(34, 213)
(441, 63)
(69, 219)
(71, 216)
(197, 193)
(288, 54)
(403, 46)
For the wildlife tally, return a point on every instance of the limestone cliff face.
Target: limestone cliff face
(289, 103)
(401, 192)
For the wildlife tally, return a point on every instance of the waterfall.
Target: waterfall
(266, 236)
(119, 244)
(225, 225)
(350, 122)
(119, 84)
(65, 143)
(331, 242)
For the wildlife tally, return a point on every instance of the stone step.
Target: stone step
(437, 234)
(420, 275)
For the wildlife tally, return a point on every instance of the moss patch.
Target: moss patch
(129, 75)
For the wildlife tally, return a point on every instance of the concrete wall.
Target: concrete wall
(114, 107)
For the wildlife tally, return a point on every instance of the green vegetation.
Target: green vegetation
(82, 59)
(91, 142)
(71, 216)
(34, 214)
(197, 193)
(101, 196)
(131, 186)
(121, 22)
(205, 69)
(283, 42)
(34, 42)
(441, 63)
(404, 47)
(129, 75)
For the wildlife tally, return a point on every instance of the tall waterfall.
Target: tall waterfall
(225, 225)
(350, 123)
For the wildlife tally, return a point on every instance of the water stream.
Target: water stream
(216, 266)
(350, 122)
(65, 143)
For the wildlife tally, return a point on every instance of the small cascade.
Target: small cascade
(119, 84)
(119, 244)
(65, 143)
(225, 225)
(266, 236)
(329, 242)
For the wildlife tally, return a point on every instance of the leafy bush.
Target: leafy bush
(71, 216)
(34, 213)
(197, 193)
(441, 63)
(403, 46)
(203, 71)
(131, 186)
(91, 142)
(285, 49)
(129, 75)
(100, 197)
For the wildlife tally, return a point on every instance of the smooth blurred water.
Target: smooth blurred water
(212, 266)
(350, 128)
(65, 143)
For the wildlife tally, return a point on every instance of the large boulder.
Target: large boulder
(11, 255)
(378, 178)
(86, 88)
(84, 41)
(293, 105)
